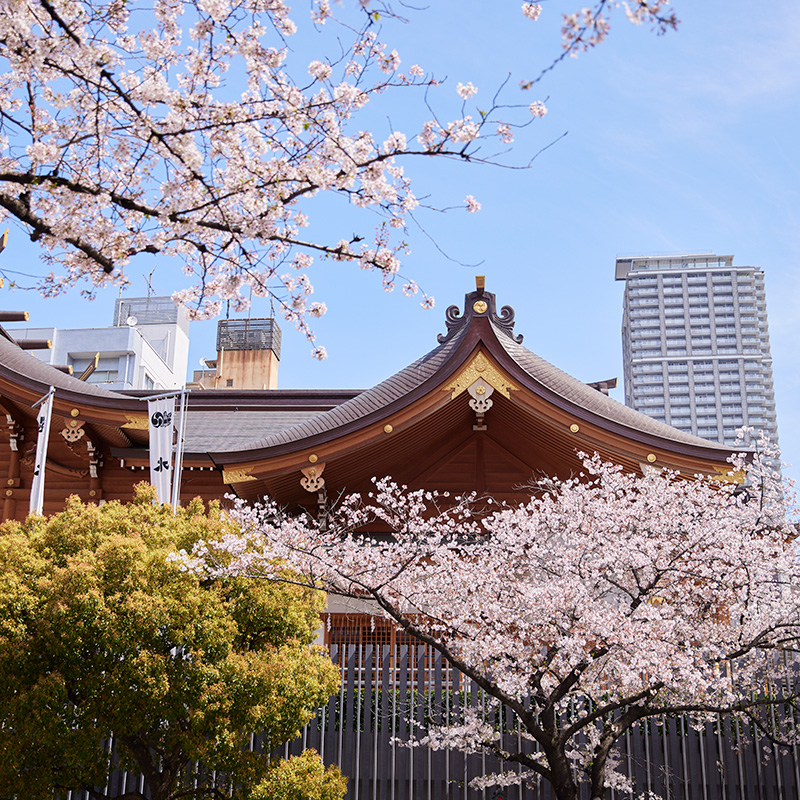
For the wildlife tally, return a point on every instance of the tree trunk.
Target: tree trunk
(562, 782)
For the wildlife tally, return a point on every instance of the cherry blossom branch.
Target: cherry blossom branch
(119, 121)
(22, 211)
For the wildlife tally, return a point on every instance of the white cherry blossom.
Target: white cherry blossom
(176, 129)
(603, 600)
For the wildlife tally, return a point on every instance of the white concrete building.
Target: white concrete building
(146, 347)
(696, 344)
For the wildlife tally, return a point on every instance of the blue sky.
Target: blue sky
(679, 143)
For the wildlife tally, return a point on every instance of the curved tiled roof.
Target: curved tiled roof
(590, 399)
(28, 366)
(252, 432)
(544, 373)
(369, 401)
(231, 430)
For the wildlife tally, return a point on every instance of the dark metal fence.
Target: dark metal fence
(388, 696)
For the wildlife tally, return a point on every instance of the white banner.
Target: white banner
(160, 412)
(43, 436)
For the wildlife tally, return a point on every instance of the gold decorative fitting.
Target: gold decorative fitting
(480, 367)
(480, 389)
(92, 492)
(10, 481)
(651, 457)
(74, 412)
(237, 475)
(387, 428)
(9, 492)
(479, 306)
(312, 480)
(727, 475)
(574, 428)
(313, 458)
(73, 423)
(136, 422)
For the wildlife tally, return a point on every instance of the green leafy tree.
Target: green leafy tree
(104, 638)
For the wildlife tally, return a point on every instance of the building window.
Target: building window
(100, 376)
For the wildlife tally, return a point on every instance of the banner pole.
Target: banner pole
(43, 423)
(178, 468)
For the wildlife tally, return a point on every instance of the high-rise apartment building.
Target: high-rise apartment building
(696, 344)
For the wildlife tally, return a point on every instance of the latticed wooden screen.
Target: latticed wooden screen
(361, 630)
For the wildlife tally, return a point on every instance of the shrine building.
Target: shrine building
(479, 412)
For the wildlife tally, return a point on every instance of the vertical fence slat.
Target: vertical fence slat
(402, 714)
(389, 692)
(384, 785)
(347, 729)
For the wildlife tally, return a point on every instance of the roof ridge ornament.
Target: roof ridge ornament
(479, 303)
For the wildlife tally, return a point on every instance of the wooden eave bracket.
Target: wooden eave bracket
(95, 458)
(311, 477)
(15, 433)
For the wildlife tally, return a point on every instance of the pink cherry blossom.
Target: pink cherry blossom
(531, 10)
(505, 133)
(175, 130)
(598, 601)
(465, 91)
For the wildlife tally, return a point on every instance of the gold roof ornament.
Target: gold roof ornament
(480, 367)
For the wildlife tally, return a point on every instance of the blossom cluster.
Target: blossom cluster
(176, 129)
(588, 27)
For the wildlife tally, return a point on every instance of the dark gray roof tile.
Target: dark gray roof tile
(231, 430)
(371, 400)
(550, 377)
(23, 363)
(590, 399)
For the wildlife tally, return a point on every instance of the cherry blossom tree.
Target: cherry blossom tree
(606, 599)
(186, 129)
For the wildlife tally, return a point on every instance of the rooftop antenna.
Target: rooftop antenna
(149, 280)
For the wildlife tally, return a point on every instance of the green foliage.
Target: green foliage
(302, 777)
(101, 634)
